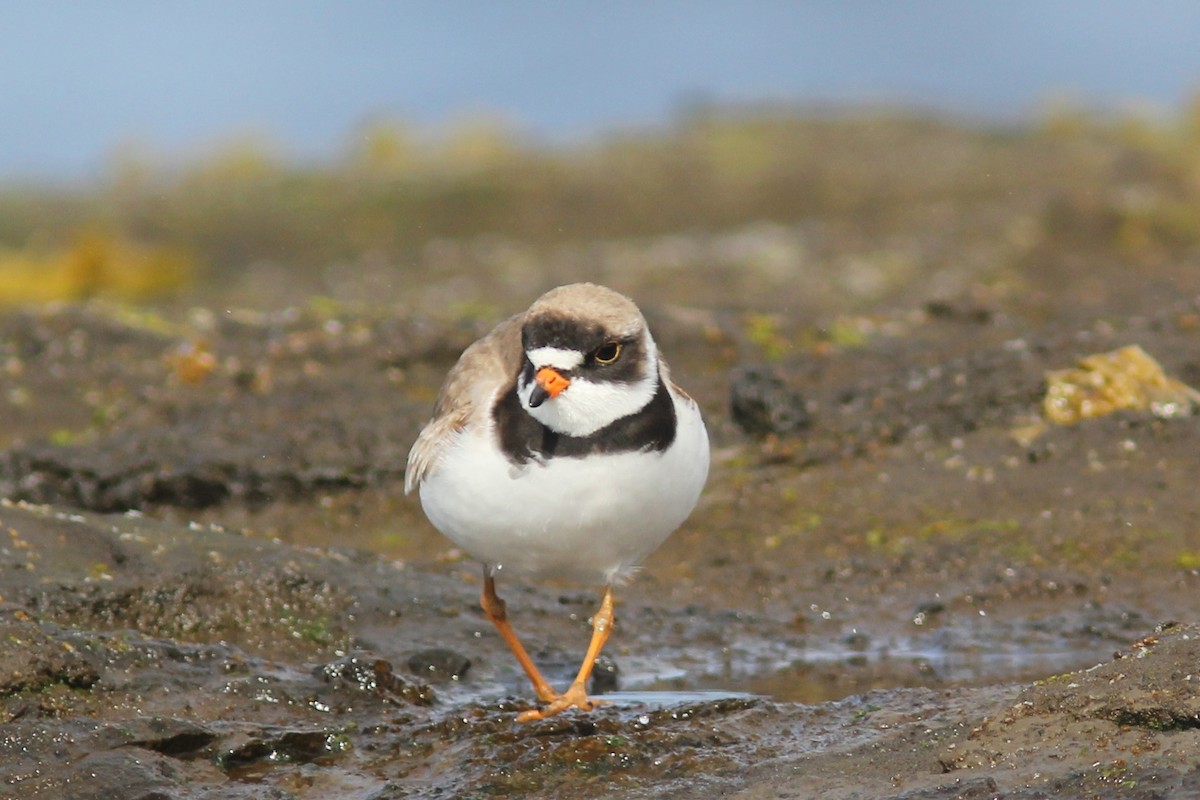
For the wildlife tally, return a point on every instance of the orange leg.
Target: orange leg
(493, 606)
(576, 694)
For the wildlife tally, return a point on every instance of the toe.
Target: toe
(569, 699)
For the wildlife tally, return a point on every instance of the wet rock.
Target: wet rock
(280, 746)
(967, 789)
(31, 660)
(269, 420)
(365, 673)
(927, 611)
(857, 641)
(437, 664)
(134, 774)
(168, 735)
(958, 310)
(1116, 778)
(247, 791)
(606, 675)
(761, 403)
(1145, 688)
(1137, 704)
(78, 758)
(169, 581)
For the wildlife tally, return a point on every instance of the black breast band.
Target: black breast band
(523, 438)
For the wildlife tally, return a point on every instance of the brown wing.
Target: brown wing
(487, 366)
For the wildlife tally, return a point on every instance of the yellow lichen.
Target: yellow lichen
(1125, 379)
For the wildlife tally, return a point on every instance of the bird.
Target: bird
(560, 448)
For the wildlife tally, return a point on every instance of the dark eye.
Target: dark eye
(607, 353)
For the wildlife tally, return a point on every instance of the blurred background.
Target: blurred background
(451, 157)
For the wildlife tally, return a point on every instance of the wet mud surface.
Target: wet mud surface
(897, 583)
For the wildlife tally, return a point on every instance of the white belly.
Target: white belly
(589, 520)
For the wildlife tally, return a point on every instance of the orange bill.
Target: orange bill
(551, 381)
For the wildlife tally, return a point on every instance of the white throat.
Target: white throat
(585, 406)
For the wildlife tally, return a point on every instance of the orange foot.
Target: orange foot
(574, 697)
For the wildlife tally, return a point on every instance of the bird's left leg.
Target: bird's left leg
(576, 694)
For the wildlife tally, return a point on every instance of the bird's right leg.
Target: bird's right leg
(493, 606)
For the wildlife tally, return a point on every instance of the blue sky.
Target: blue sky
(78, 79)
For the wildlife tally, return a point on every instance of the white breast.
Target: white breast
(590, 519)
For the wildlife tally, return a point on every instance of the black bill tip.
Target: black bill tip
(537, 396)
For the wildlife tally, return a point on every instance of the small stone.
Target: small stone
(606, 675)
(924, 612)
(369, 674)
(762, 404)
(438, 664)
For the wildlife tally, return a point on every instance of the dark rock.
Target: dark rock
(290, 746)
(131, 774)
(171, 737)
(438, 664)
(926, 611)
(967, 789)
(606, 675)
(368, 674)
(761, 403)
(958, 311)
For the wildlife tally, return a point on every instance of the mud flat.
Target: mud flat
(213, 587)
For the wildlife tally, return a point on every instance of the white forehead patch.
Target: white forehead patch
(585, 406)
(555, 357)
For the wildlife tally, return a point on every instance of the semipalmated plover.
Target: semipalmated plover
(560, 448)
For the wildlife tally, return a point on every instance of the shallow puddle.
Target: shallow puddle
(822, 675)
